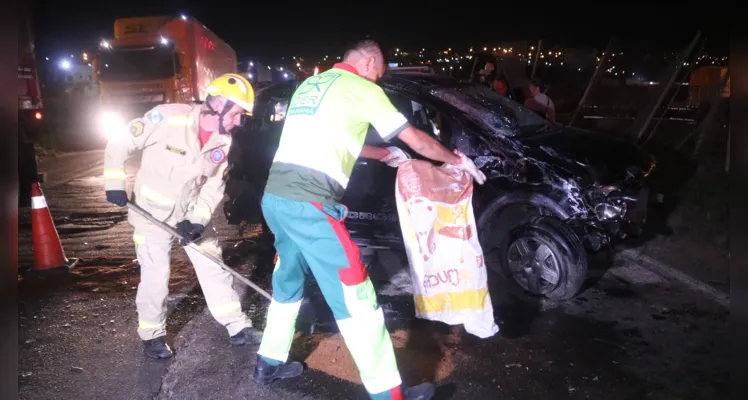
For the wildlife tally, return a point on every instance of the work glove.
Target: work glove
(396, 157)
(467, 165)
(191, 232)
(118, 197)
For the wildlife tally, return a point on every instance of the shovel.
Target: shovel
(145, 214)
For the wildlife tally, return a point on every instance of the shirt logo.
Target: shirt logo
(155, 116)
(217, 156)
(309, 95)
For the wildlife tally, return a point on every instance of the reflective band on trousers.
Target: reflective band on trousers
(277, 337)
(146, 325)
(202, 212)
(155, 197)
(225, 308)
(371, 348)
(138, 238)
(38, 202)
(115, 174)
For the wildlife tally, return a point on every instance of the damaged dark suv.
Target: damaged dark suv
(553, 193)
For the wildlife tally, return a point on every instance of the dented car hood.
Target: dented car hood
(595, 158)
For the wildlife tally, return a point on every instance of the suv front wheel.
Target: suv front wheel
(544, 257)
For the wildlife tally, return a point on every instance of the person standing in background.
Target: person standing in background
(539, 101)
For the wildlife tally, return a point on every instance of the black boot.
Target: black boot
(266, 373)
(424, 391)
(246, 335)
(157, 348)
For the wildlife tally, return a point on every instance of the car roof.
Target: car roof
(418, 79)
(396, 80)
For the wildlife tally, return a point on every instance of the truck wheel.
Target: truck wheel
(544, 257)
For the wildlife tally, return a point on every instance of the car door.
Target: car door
(252, 153)
(370, 196)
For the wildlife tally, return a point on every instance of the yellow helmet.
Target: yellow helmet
(236, 89)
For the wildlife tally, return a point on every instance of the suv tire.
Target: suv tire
(564, 258)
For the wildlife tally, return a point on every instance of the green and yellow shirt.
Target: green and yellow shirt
(324, 132)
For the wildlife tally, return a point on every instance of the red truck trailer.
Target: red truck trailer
(30, 110)
(157, 60)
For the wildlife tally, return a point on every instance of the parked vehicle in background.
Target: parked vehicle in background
(552, 191)
(156, 60)
(30, 107)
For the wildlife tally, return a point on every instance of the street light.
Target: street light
(65, 64)
(105, 44)
(164, 41)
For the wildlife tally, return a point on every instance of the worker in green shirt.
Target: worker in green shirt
(324, 132)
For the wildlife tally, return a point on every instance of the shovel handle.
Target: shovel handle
(145, 214)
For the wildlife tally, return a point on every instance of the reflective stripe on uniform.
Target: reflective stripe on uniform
(155, 197)
(115, 174)
(384, 383)
(278, 335)
(179, 120)
(138, 238)
(371, 348)
(202, 212)
(147, 325)
(225, 308)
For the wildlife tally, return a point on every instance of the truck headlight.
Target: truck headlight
(112, 125)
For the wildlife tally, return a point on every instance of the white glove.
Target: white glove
(469, 166)
(396, 157)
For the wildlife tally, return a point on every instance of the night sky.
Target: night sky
(274, 28)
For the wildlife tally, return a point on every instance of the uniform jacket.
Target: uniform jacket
(177, 179)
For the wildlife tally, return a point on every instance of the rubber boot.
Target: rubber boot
(424, 391)
(265, 373)
(246, 335)
(157, 348)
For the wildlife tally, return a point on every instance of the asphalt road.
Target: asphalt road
(635, 332)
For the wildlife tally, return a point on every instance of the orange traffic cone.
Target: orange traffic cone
(48, 253)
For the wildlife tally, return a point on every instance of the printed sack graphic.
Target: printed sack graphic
(440, 235)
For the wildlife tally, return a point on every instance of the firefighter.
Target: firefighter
(181, 182)
(323, 135)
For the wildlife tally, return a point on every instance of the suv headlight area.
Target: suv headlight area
(605, 211)
(608, 202)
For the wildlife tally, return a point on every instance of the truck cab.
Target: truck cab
(156, 60)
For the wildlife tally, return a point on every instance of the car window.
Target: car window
(272, 101)
(278, 112)
(497, 113)
(422, 116)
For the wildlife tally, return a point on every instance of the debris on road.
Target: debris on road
(76, 369)
(432, 357)
(132, 263)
